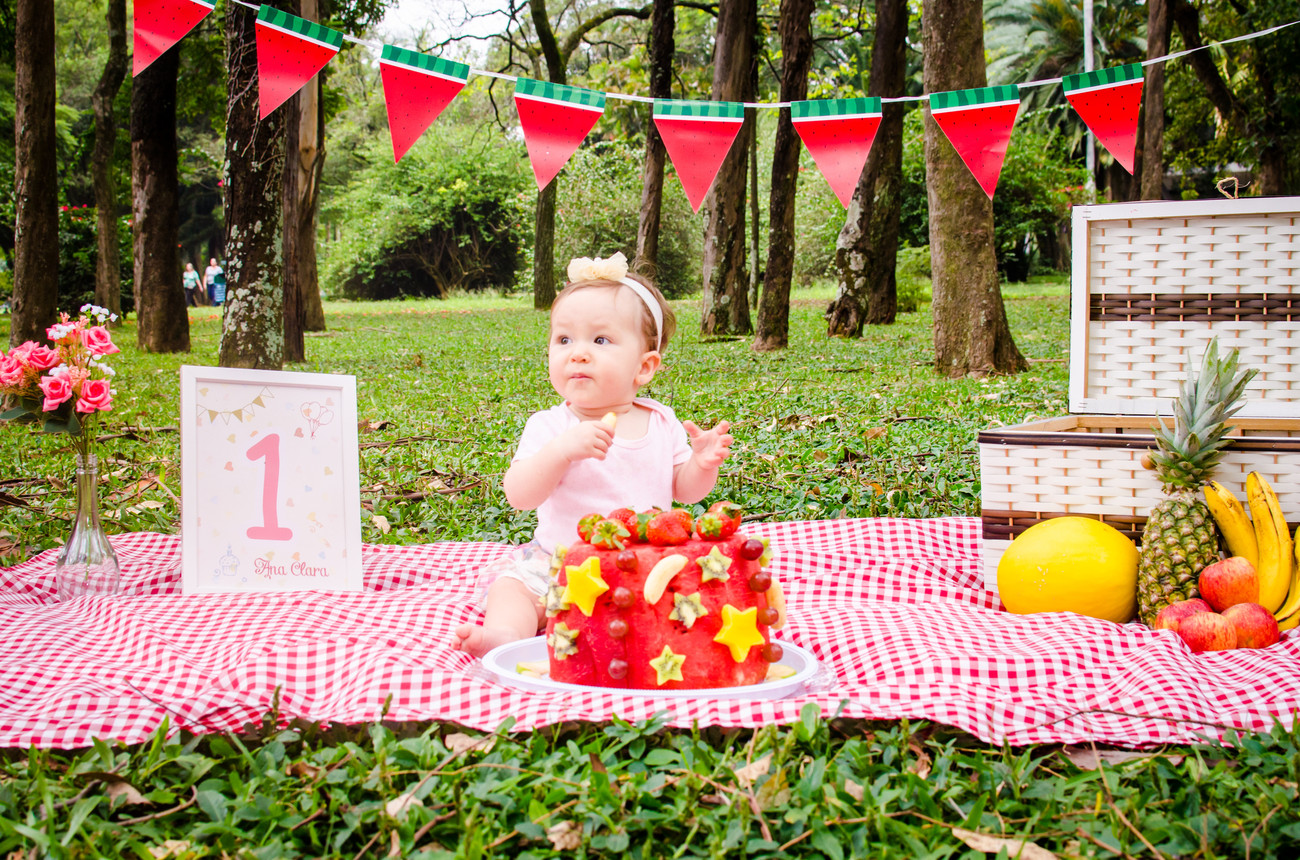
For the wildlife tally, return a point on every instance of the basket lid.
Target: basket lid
(1153, 283)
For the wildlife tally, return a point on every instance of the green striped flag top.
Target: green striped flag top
(978, 124)
(838, 134)
(1109, 101)
(698, 136)
(417, 87)
(556, 119)
(290, 51)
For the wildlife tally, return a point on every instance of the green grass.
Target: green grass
(828, 428)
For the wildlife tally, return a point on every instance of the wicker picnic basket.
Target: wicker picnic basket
(1151, 285)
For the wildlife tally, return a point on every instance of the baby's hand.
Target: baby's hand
(587, 440)
(709, 447)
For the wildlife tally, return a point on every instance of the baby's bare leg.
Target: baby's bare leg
(513, 613)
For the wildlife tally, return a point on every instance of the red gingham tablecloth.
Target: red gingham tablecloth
(895, 610)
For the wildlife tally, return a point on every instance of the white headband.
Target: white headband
(615, 269)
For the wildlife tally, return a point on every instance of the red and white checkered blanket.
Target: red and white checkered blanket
(895, 610)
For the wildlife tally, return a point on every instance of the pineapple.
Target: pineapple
(1180, 537)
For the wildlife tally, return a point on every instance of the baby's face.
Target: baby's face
(597, 354)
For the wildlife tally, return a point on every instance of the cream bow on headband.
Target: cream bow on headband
(615, 269)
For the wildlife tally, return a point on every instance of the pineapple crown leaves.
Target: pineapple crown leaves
(1187, 454)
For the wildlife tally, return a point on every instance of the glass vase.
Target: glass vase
(87, 564)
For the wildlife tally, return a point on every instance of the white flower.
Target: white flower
(587, 269)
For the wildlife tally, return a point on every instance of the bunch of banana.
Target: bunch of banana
(1263, 538)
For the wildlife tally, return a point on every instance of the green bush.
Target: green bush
(78, 252)
(912, 272)
(818, 218)
(599, 207)
(450, 216)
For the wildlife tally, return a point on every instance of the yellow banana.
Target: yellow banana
(1291, 606)
(1233, 522)
(1289, 622)
(1275, 561)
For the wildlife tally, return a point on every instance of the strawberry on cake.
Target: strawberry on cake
(657, 600)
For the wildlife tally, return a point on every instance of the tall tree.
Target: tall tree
(1153, 102)
(252, 331)
(304, 161)
(662, 24)
(795, 28)
(155, 209)
(36, 194)
(971, 335)
(866, 251)
(725, 303)
(295, 347)
(108, 273)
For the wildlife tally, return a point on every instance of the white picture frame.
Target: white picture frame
(270, 493)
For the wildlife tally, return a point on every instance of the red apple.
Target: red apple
(1173, 614)
(1208, 631)
(1229, 582)
(1256, 627)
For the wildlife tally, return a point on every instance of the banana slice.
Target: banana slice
(776, 600)
(660, 575)
(609, 419)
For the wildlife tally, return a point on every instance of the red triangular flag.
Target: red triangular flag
(290, 50)
(159, 24)
(556, 119)
(697, 136)
(838, 134)
(1109, 101)
(416, 89)
(978, 123)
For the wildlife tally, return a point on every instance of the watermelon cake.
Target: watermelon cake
(657, 600)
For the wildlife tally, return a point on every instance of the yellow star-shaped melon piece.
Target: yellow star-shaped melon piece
(668, 666)
(714, 565)
(739, 631)
(584, 585)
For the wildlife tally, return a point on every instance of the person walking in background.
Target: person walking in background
(210, 279)
(190, 281)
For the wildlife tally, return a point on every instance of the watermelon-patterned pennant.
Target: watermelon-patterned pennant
(978, 124)
(697, 136)
(290, 50)
(838, 134)
(555, 119)
(1109, 101)
(417, 87)
(159, 24)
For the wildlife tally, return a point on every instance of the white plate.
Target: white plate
(501, 662)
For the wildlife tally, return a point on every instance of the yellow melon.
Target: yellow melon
(1070, 564)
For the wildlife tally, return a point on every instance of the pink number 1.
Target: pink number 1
(270, 529)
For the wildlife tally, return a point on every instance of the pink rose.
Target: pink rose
(21, 351)
(95, 396)
(42, 357)
(12, 371)
(98, 342)
(57, 388)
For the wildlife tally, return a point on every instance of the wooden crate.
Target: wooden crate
(1152, 283)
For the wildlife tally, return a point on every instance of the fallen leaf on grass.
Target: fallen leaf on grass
(381, 522)
(170, 848)
(749, 774)
(854, 790)
(1087, 758)
(459, 742)
(565, 836)
(399, 806)
(115, 787)
(1017, 849)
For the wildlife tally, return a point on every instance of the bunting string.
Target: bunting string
(698, 135)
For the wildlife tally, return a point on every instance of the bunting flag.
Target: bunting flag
(290, 51)
(417, 87)
(1108, 101)
(159, 24)
(978, 124)
(838, 134)
(555, 119)
(697, 136)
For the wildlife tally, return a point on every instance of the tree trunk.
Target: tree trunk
(252, 331)
(866, 251)
(295, 348)
(36, 191)
(164, 324)
(310, 164)
(108, 262)
(662, 47)
(725, 304)
(796, 57)
(971, 335)
(756, 275)
(1153, 98)
(544, 249)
